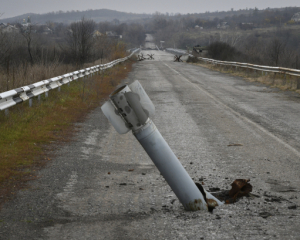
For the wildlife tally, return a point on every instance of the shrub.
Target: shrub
(221, 51)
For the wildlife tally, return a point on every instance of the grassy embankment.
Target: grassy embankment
(27, 133)
(274, 80)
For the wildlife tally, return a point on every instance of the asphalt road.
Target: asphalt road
(103, 186)
(149, 42)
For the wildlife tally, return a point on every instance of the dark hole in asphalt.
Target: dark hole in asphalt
(239, 188)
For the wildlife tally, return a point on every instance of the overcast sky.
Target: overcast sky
(12, 8)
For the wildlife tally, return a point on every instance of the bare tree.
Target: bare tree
(27, 34)
(5, 46)
(232, 38)
(275, 50)
(80, 40)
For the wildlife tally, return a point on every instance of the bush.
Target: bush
(221, 51)
(192, 59)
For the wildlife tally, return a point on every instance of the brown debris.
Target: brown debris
(240, 188)
(130, 170)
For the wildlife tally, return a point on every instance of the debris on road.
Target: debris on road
(234, 145)
(240, 188)
(265, 214)
(294, 206)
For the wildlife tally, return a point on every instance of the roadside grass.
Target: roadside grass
(27, 133)
(274, 80)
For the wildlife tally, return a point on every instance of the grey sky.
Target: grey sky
(12, 8)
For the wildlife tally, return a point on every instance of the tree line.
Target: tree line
(28, 56)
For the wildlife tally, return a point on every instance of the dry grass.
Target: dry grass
(26, 74)
(27, 133)
(274, 80)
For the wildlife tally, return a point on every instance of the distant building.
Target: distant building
(198, 27)
(246, 26)
(223, 25)
(96, 33)
(27, 23)
(112, 34)
(8, 28)
(43, 29)
(296, 17)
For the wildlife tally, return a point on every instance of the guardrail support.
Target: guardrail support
(30, 102)
(46, 94)
(6, 112)
(129, 108)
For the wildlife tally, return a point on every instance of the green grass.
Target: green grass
(27, 132)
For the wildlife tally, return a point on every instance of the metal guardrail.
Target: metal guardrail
(280, 70)
(19, 95)
(178, 51)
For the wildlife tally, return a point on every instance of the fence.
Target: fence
(19, 95)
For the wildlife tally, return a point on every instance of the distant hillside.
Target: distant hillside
(99, 15)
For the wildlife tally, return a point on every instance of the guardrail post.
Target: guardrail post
(39, 98)
(58, 89)
(30, 102)
(6, 111)
(46, 94)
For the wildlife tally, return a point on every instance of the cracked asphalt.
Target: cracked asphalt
(102, 185)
